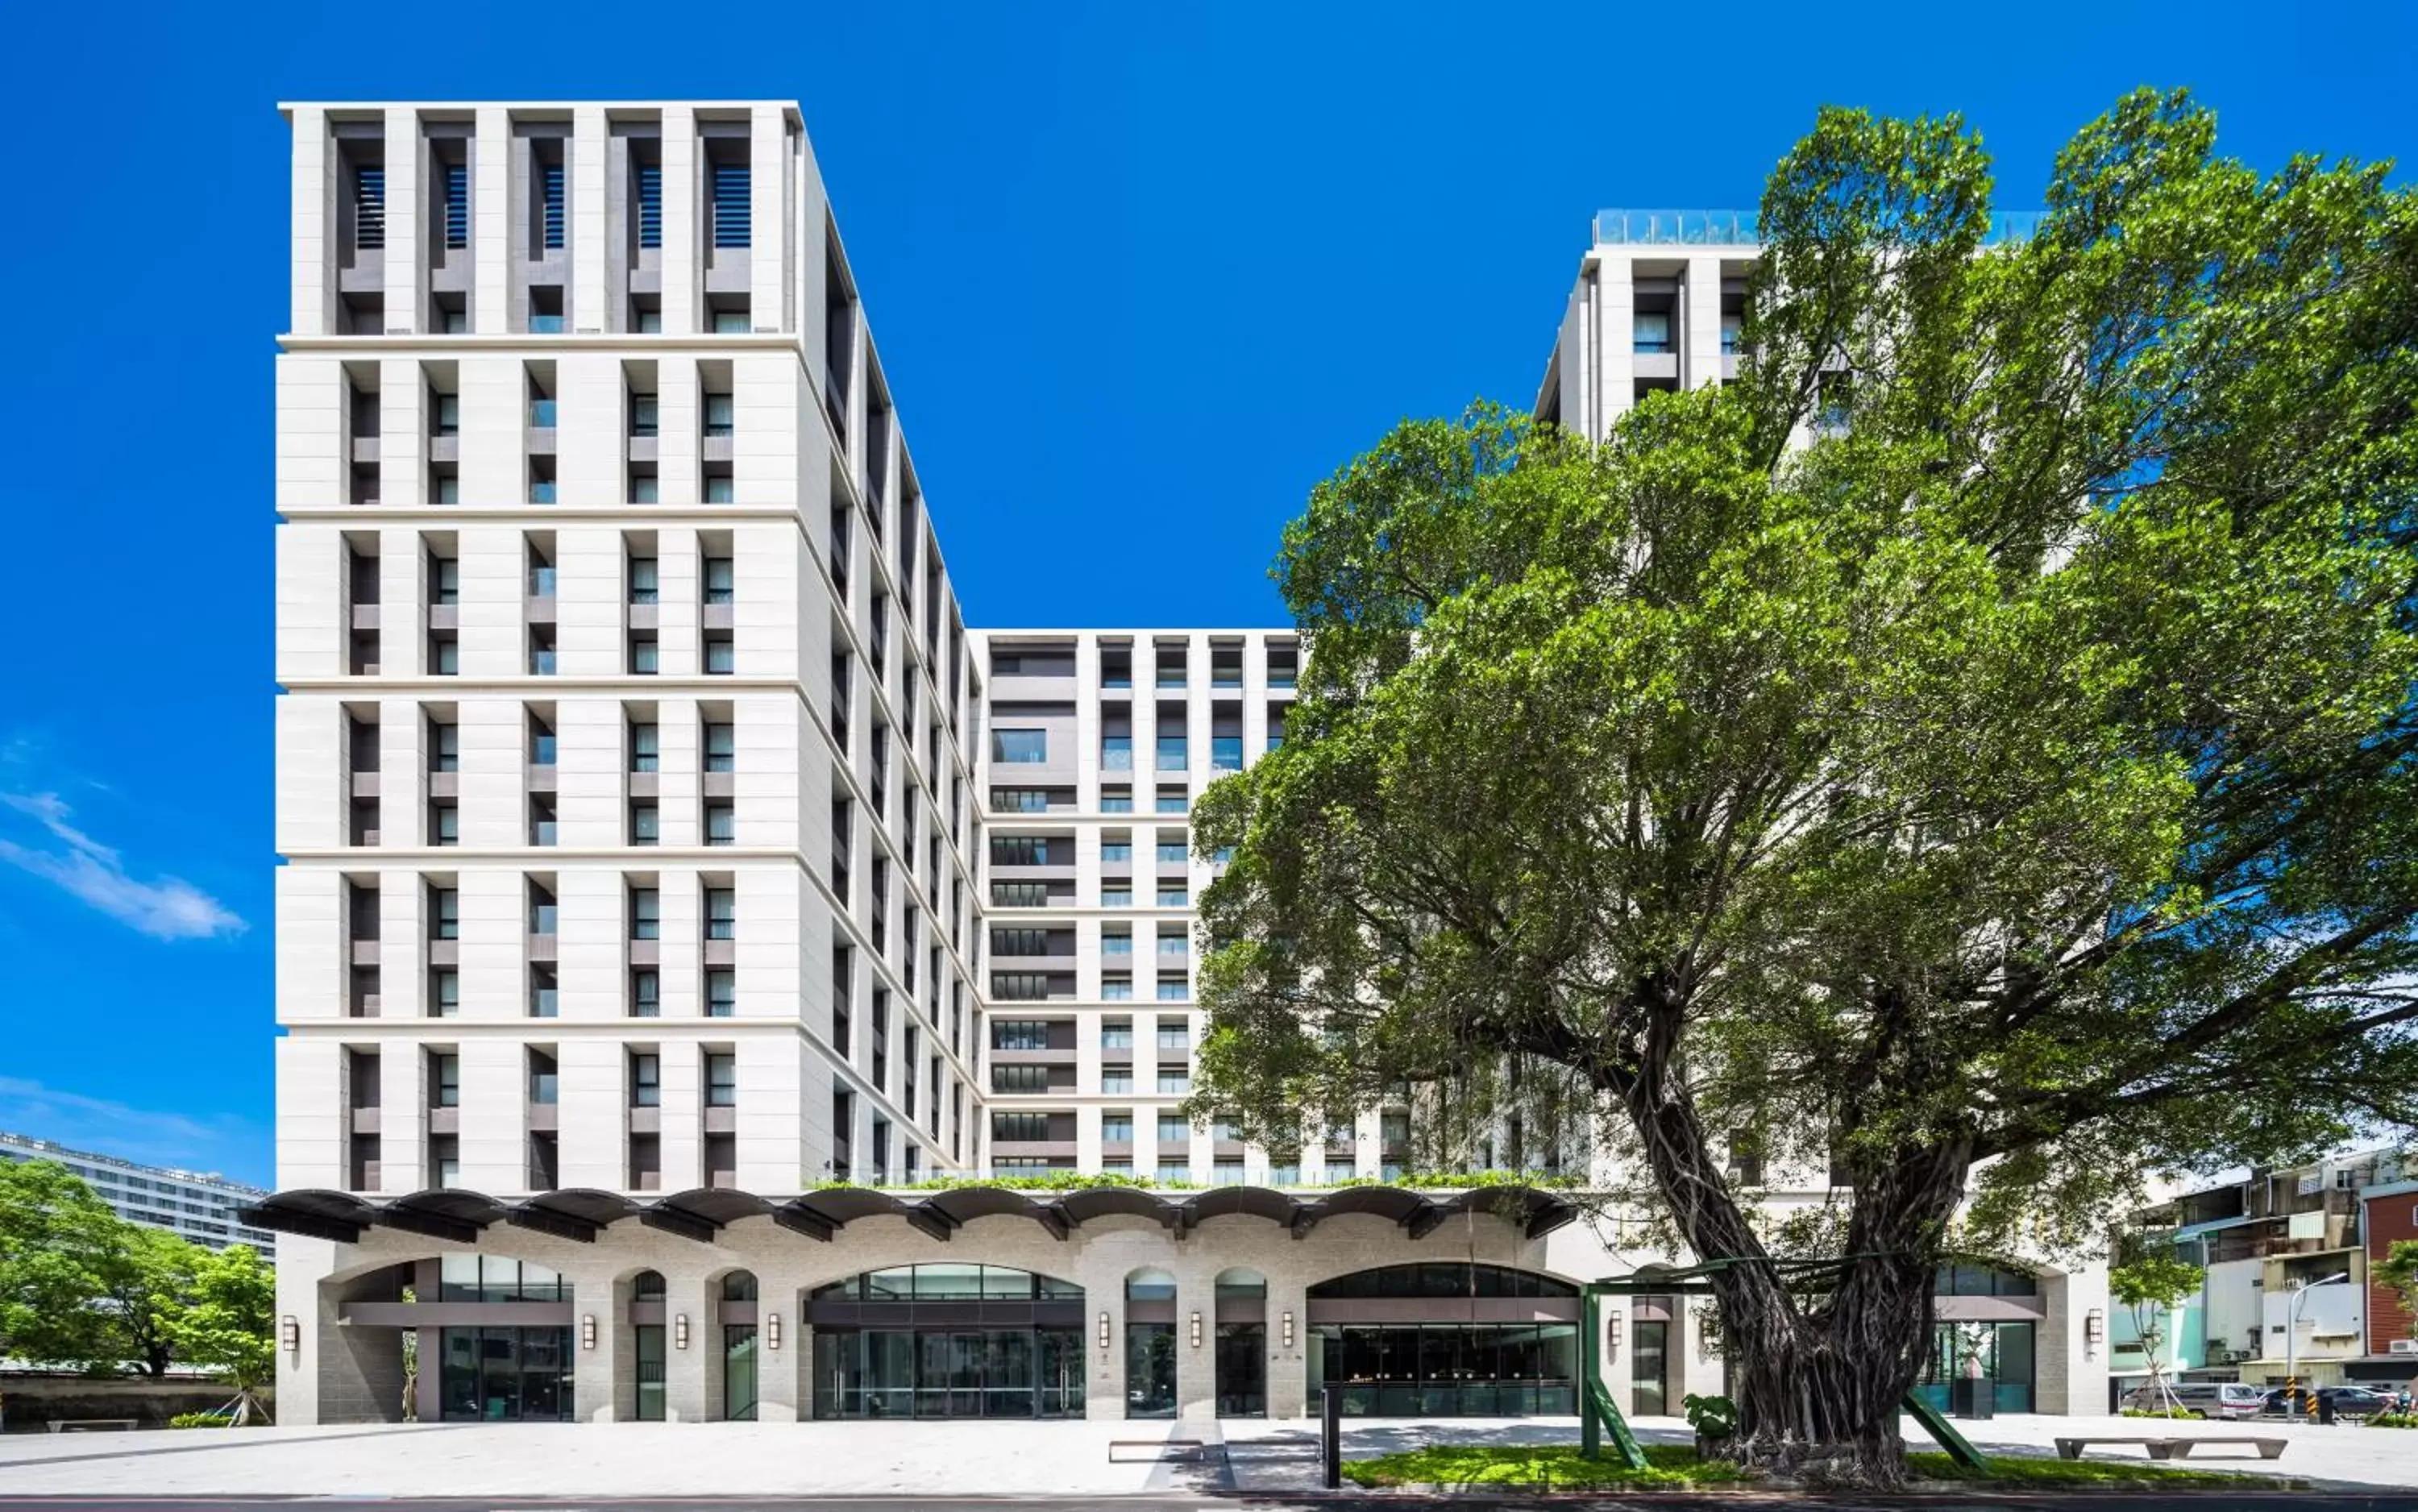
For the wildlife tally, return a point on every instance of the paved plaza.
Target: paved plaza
(1022, 1459)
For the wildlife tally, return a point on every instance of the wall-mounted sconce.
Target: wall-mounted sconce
(1287, 1327)
(586, 1330)
(1104, 1329)
(1612, 1330)
(680, 1331)
(1196, 1330)
(2094, 1330)
(289, 1334)
(773, 1331)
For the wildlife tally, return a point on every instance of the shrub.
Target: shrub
(1712, 1417)
(215, 1418)
(2161, 1411)
(2399, 1420)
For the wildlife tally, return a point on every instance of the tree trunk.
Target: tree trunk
(1818, 1375)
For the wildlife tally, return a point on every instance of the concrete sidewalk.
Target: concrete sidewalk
(1052, 1459)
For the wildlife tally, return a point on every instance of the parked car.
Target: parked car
(2348, 1401)
(2201, 1399)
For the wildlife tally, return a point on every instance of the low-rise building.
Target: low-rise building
(196, 1205)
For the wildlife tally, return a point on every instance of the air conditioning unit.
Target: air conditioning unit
(2401, 1345)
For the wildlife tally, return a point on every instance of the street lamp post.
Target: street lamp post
(2292, 1339)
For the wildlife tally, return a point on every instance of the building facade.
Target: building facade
(673, 882)
(196, 1205)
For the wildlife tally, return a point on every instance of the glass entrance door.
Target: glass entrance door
(1649, 1366)
(1150, 1370)
(1242, 1369)
(739, 1372)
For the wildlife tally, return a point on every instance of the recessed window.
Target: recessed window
(721, 1079)
(1020, 746)
(646, 993)
(721, 746)
(545, 993)
(644, 586)
(646, 913)
(721, 913)
(721, 580)
(444, 913)
(721, 824)
(645, 657)
(645, 824)
(718, 487)
(646, 1079)
(721, 993)
(645, 754)
(721, 656)
(719, 415)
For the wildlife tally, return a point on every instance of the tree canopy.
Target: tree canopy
(1972, 751)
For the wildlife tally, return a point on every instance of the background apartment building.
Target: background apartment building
(196, 1205)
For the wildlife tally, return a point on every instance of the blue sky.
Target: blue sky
(1140, 276)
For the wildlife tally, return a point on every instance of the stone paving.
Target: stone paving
(989, 1459)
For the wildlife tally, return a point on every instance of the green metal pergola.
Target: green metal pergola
(1596, 1410)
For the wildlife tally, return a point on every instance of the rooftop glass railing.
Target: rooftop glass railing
(1736, 228)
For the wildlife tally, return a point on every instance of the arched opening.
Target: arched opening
(1445, 1339)
(1241, 1363)
(647, 1346)
(1986, 1337)
(1150, 1344)
(737, 1310)
(946, 1341)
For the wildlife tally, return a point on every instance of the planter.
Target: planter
(1972, 1398)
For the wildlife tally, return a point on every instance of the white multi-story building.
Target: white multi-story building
(663, 853)
(199, 1205)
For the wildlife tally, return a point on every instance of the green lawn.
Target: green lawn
(1554, 1465)
(1558, 1467)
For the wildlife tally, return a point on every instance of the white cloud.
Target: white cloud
(231, 1145)
(167, 907)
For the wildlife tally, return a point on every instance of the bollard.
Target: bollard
(1330, 1411)
(2325, 1407)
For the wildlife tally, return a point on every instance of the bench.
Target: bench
(1189, 1450)
(2162, 1447)
(95, 1425)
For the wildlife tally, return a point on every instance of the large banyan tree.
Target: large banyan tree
(1971, 752)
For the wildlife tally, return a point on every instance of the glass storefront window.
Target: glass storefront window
(2005, 1351)
(493, 1278)
(505, 1375)
(1150, 1370)
(1447, 1369)
(948, 1372)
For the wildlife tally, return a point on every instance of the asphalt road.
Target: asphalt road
(2225, 1501)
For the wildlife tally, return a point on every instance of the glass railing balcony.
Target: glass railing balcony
(545, 325)
(1226, 754)
(541, 414)
(542, 492)
(541, 832)
(542, 664)
(1738, 228)
(541, 582)
(1173, 755)
(543, 918)
(1116, 755)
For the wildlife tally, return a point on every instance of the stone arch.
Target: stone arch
(733, 1345)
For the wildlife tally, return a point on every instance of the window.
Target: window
(1020, 850)
(1176, 1084)
(721, 993)
(646, 993)
(718, 415)
(1733, 332)
(540, 650)
(369, 209)
(1019, 1034)
(1175, 991)
(1173, 753)
(644, 585)
(544, 993)
(1173, 897)
(1116, 1034)
(646, 1079)
(444, 992)
(649, 179)
(1116, 987)
(721, 656)
(1173, 1130)
(542, 746)
(1116, 1079)
(721, 913)
(1174, 1037)
(643, 656)
(1024, 1127)
(1225, 753)
(543, 912)
(721, 580)
(444, 825)
(456, 177)
(644, 751)
(545, 1079)
(721, 1079)
(1652, 330)
(1172, 850)
(718, 487)
(1019, 1078)
(730, 207)
(1116, 800)
(543, 829)
(1116, 1128)
(1116, 753)
(1116, 942)
(444, 415)
(721, 824)
(444, 1079)
(646, 913)
(445, 581)
(445, 913)
(1020, 746)
(1173, 800)
(1115, 852)
(646, 824)
(1117, 894)
(1019, 799)
(1020, 986)
(721, 746)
